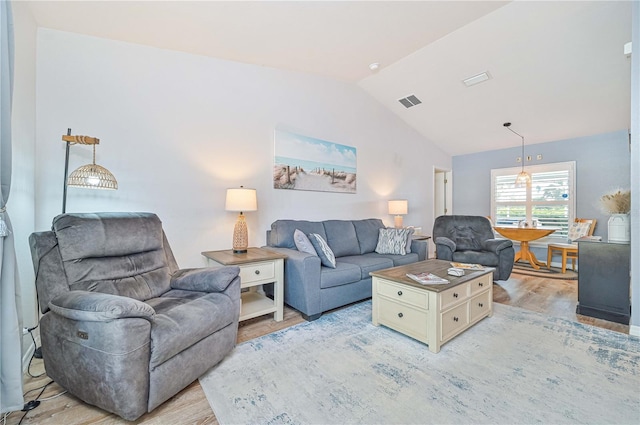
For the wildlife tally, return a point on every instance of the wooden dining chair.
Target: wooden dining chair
(570, 250)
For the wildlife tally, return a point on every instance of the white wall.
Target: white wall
(177, 130)
(21, 199)
(635, 171)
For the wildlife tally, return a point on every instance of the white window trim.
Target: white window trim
(540, 168)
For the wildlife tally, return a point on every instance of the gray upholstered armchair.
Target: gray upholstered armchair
(122, 327)
(470, 239)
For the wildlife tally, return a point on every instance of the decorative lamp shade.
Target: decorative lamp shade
(398, 207)
(92, 176)
(523, 179)
(241, 199)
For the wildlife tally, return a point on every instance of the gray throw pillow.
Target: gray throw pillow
(303, 243)
(393, 241)
(322, 249)
(409, 234)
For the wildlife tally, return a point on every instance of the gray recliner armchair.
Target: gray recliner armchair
(122, 327)
(470, 239)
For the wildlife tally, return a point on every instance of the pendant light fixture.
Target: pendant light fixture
(523, 177)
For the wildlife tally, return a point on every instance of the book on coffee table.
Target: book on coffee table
(467, 266)
(427, 278)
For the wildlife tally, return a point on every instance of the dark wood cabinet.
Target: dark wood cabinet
(604, 281)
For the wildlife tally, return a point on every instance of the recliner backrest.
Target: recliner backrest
(115, 253)
(467, 231)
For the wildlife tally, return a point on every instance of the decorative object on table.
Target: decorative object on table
(90, 176)
(581, 227)
(542, 369)
(455, 271)
(398, 208)
(523, 177)
(241, 199)
(305, 163)
(426, 278)
(618, 205)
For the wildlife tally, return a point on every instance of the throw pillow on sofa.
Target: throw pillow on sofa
(303, 243)
(323, 250)
(393, 241)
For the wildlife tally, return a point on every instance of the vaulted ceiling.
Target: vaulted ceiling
(556, 69)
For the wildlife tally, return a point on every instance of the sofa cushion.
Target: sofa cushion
(327, 258)
(393, 241)
(401, 260)
(367, 233)
(341, 237)
(281, 235)
(342, 274)
(485, 258)
(368, 263)
(178, 322)
(303, 244)
(465, 237)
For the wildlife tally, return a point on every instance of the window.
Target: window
(549, 198)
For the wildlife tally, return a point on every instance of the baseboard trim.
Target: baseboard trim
(634, 330)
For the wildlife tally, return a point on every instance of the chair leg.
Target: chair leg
(564, 261)
(549, 255)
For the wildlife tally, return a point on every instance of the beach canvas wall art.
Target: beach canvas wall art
(306, 163)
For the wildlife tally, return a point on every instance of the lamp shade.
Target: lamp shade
(241, 199)
(398, 207)
(92, 176)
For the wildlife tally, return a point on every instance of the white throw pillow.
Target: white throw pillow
(578, 230)
(327, 258)
(393, 241)
(303, 243)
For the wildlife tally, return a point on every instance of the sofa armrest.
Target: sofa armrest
(496, 245)
(98, 307)
(204, 279)
(420, 247)
(445, 248)
(301, 280)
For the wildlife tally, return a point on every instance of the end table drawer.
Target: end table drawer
(404, 294)
(404, 318)
(454, 295)
(453, 321)
(257, 272)
(481, 283)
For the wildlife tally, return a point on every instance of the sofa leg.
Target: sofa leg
(312, 317)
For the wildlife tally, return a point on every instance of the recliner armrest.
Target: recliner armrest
(205, 279)
(496, 245)
(446, 242)
(98, 307)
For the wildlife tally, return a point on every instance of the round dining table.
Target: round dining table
(524, 235)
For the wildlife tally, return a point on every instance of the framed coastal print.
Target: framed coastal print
(306, 163)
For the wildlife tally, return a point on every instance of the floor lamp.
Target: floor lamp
(90, 176)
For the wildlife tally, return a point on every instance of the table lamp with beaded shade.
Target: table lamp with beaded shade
(241, 199)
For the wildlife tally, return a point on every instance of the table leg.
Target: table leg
(526, 255)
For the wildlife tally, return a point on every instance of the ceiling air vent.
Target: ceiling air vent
(410, 101)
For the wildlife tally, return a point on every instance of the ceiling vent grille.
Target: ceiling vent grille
(410, 101)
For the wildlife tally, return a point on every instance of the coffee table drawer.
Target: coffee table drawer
(454, 321)
(482, 283)
(403, 318)
(479, 306)
(454, 295)
(404, 294)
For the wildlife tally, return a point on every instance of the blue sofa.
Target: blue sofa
(312, 288)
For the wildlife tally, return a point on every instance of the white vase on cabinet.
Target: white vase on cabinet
(619, 228)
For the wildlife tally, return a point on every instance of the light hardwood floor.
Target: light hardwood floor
(554, 297)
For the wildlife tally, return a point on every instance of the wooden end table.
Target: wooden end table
(258, 267)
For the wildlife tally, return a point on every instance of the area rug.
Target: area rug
(552, 273)
(515, 367)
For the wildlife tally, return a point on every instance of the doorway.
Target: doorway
(442, 193)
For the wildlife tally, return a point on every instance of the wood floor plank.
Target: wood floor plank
(553, 297)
